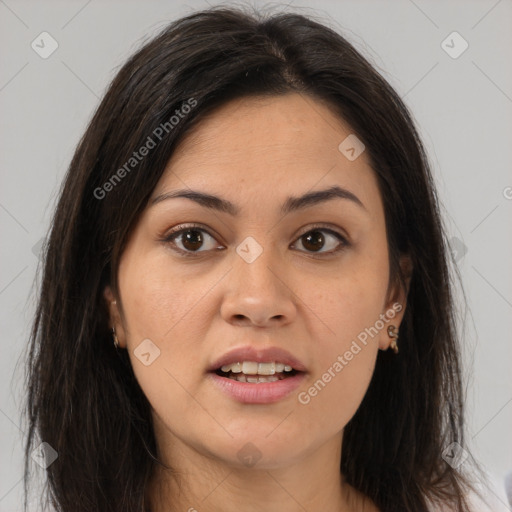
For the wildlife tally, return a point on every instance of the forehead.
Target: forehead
(251, 144)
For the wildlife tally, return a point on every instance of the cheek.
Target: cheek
(335, 393)
(161, 305)
(157, 309)
(344, 360)
(159, 300)
(348, 303)
(347, 326)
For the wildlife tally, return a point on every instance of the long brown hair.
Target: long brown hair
(83, 397)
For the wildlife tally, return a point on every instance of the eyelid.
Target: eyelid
(323, 227)
(343, 239)
(179, 229)
(184, 227)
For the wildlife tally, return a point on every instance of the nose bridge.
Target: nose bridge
(256, 288)
(258, 264)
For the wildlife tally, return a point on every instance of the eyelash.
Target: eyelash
(183, 228)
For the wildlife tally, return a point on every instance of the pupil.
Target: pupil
(193, 238)
(311, 238)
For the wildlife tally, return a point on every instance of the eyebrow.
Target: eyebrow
(290, 205)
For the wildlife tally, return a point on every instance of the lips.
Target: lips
(252, 388)
(258, 355)
(260, 393)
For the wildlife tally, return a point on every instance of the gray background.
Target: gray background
(463, 107)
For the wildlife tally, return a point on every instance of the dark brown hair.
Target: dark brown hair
(83, 398)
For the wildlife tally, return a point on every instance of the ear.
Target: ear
(396, 303)
(114, 316)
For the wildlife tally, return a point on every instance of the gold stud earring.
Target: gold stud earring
(393, 334)
(116, 341)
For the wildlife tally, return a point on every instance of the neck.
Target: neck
(198, 482)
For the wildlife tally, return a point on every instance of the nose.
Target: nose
(258, 294)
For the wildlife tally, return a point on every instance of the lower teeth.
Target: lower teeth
(255, 379)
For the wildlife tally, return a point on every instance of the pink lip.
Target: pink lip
(257, 393)
(258, 355)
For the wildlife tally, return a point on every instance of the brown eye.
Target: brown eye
(191, 240)
(313, 241)
(317, 239)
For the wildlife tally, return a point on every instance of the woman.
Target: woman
(246, 301)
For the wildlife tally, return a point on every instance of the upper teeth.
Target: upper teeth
(252, 368)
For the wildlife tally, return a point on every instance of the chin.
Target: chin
(257, 448)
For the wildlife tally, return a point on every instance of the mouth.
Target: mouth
(252, 382)
(253, 372)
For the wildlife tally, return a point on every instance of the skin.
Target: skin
(256, 152)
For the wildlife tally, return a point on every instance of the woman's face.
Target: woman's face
(270, 272)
